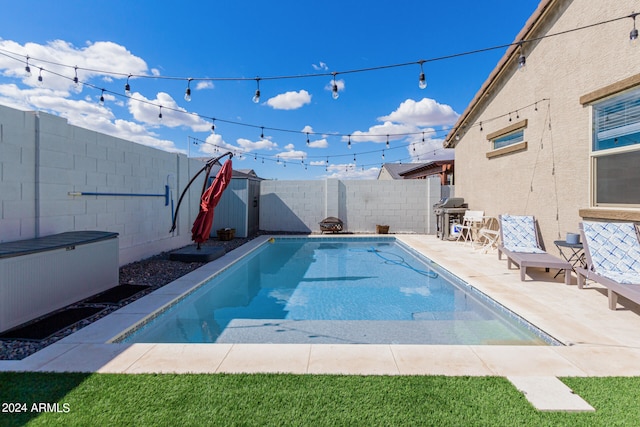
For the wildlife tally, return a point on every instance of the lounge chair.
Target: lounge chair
(612, 251)
(520, 244)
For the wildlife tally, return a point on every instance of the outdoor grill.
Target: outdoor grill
(448, 211)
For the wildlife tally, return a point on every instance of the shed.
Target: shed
(238, 208)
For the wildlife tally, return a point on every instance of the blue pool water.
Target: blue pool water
(336, 290)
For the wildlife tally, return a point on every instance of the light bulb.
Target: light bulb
(160, 114)
(102, 98)
(187, 93)
(522, 61)
(75, 78)
(213, 125)
(40, 83)
(422, 80)
(334, 91)
(127, 87)
(27, 69)
(256, 97)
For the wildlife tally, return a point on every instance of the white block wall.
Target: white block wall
(404, 205)
(43, 159)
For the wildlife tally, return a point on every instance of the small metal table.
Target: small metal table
(573, 253)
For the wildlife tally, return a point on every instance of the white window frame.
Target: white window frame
(595, 154)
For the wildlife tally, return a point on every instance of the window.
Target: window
(615, 153)
(510, 139)
(507, 140)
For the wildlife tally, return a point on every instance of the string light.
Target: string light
(127, 87)
(522, 60)
(256, 97)
(40, 77)
(262, 133)
(160, 114)
(27, 69)
(75, 78)
(349, 143)
(187, 93)
(422, 80)
(334, 87)
(307, 138)
(633, 35)
(387, 141)
(213, 125)
(102, 98)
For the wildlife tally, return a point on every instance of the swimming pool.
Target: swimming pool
(336, 290)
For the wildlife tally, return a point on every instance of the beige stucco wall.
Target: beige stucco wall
(550, 178)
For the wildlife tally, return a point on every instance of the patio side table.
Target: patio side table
(573, 253)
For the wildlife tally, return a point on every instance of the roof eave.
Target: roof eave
(501, 67)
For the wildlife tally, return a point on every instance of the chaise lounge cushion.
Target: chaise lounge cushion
(519, 234)
(614, 250)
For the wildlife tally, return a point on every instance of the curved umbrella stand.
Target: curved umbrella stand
(207, 167)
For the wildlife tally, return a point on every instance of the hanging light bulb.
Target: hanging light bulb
(262, 133)
(387, 141)
(187, 93)
(422, 80)
(382, 154)
(213, 125)
(256, 97)
(522, 60)
(160, 114)
(102, 98)
(308, 138)
(481, 127)
(27, 69)
(75, 78)
(127, 87)
(40, 78)
(334, 87)
(349, 143)
(633, 35)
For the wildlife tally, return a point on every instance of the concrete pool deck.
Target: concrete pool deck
(598, 341)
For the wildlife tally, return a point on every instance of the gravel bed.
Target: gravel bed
(155, 272)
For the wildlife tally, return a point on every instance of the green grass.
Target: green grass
(305, 400)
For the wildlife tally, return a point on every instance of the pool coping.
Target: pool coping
(90, 349)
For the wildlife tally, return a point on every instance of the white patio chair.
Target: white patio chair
(471, 223)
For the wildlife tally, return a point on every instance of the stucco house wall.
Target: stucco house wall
(550, 178)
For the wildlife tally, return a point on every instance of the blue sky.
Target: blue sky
(224, 46)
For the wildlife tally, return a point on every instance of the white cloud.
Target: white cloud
(351, 171)
(290, 100)
(148, 110)
(204, 84)
(94, 56)
(291, 153)
(320, 66)
(378, 133)
(426, 112)
(319, 143)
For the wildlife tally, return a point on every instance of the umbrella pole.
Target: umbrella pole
(209, 165)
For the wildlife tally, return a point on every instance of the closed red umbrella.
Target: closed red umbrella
(210, 198)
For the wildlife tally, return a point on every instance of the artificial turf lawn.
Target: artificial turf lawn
(326, 400)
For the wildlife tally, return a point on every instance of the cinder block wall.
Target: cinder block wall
(404, 205)
(43, 159)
